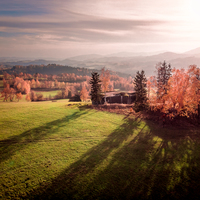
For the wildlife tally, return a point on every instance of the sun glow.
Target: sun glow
(193, 7)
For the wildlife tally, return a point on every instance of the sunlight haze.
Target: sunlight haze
(61, 29)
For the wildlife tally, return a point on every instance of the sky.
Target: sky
(58, 29)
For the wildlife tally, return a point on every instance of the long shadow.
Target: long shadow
(166, 168)
(73, 182)
(153, 165)
(15, 143)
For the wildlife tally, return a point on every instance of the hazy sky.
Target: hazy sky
(63, 28)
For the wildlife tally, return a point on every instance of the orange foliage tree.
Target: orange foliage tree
(19, 96)
(105, 79)
(182, 96)
(84, 94)
(21, 86)
(6, 92)
(12, 94)
(28, 98)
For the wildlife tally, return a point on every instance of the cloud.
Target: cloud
(103, 24)
(80, 27)
(79, 23)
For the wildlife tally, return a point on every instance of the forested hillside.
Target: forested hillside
(52, 69)
(68, 85)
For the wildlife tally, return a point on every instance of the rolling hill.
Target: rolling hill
(124, 62)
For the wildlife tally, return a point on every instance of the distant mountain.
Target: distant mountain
(27, 62)
(8, 59)
(12, 59)
(52, 69)
(185, 62)
(85, 57)
(166, 56)
(134, 54)
(193, 51)
(124, 62)
(124, 54)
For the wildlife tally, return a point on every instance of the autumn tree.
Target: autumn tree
(21, 86)
(28, 97)
(152, 89)
(95, 88)
(71, 91)
(194, 71)
(182, 97)
(37, 83)
(32, 83)
(19, 96)
(105, 79)
(65, 92)
(12, 94)
(6, 92)
(141, 91)
(84, 94)
(33, 96)
(4, 83)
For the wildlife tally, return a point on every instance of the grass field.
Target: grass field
(44, 93)
(49, 150)
(47, 93)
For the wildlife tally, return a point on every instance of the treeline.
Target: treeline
(69, 85)
(52, 69)
(172, 92)
(175, 92)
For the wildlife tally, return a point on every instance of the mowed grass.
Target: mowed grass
(48, 93)
(49, 150)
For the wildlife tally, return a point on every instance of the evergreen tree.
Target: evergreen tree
(140, 82)
(95, 88)
(163, 75)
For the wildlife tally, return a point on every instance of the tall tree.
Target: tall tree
(194, 72)
(140, 83)
(163, 75)
(95, 88)
(84, 94)
(105, 79)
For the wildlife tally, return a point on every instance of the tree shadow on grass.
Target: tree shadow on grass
(154, 164)
(74, 181)
(163, 166)
(9, 146)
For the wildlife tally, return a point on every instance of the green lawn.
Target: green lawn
(49, 150)
(44, 93)
(47, 93)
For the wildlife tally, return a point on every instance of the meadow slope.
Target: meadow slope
(50, 150)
